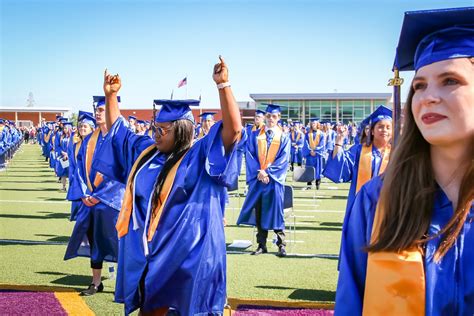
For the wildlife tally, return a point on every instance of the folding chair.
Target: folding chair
(289, 213)
(305, 174)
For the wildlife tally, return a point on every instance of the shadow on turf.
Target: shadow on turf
(55, 237)
(76, 281)
(48, 216)
(28, 190)
(304, 294)
(20, 181)
(336, 224)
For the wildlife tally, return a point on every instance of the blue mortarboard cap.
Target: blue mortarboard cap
(430, 36)
(63, 120)
(259, 112)
(67, 124)
(173, 110)
(272, 108)
(296, 122)
(381, 113)
(100, 100)
(86, 118)
(58, 116)
(2, 121)
(140, 121)
(207, 115)
(132, 117)
(314, 119)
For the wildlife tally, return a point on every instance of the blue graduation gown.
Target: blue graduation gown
(296, 154)
(62, 146)
(449, 284)
(272, 194)
(103, 215)
(75, 202)
(315, 161)
(184, 265)
(345, 167)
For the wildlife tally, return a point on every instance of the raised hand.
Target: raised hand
(112, 83)
(221, 73)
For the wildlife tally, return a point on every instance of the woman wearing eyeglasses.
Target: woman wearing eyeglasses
(172, 253)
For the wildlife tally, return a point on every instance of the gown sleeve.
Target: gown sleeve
(120, 150)
(341, 168)
(222, 166)
(353, 257)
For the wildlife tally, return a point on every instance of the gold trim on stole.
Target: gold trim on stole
(266, 158)
(365, 165)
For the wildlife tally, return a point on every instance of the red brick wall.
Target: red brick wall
(147, 114)
(29, 116)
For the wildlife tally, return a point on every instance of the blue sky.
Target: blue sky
(59, 49)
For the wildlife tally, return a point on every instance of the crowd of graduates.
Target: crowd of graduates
(151, 195)
(10, 141)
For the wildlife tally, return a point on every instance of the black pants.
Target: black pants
(262, 234)
(90, 236)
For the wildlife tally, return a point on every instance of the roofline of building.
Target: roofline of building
(33, 109)
(319, 96)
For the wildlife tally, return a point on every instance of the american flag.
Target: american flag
(183, 82)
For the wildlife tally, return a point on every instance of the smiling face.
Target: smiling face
(84, 129)
(382, 131)
(443, 101)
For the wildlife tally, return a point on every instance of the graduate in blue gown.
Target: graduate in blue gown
(85, 126)
(408, 244)
(94, 233)
(172, 245)
(297, 142)
(313, 150)
(267, 157)
(62, 163)
(207, 120)
(345, 165)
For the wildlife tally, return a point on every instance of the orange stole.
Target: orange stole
(165, 192)
(255, 127)
(78, 141)
(313, 143)
(365, 165)
(395, 282)
(297, 136)
(89, 155)
(47, 137)
(127, 204)
(266, 158)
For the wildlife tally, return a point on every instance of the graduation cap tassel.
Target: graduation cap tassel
(154, 111)
(396, 82)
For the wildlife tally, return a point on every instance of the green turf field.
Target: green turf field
(34, 230)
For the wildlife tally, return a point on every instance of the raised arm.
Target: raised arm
(112, 84)
(231, 121)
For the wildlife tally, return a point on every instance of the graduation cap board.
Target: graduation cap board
(207, 116)
(173, 110)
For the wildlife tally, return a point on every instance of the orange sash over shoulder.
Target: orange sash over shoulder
(395, 282)
(255, 127)
(266, 158)
(47, 137)
(365, 165)
(314, 142)
(89, 155)
(298, 136)
(127, 204)
(165, 192)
